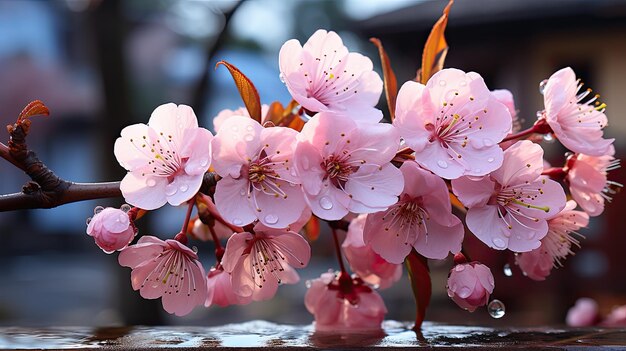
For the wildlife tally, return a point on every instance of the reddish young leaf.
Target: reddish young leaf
(391, 84)
(275, 113)
(249, 94)
(34, 108)
(419, 275)
(435, 49)
(312, 229)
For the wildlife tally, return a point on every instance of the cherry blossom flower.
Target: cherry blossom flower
(259, 262)
(220, 290)
(346, 167)
(506, 98)
(587, 179)
(111, 229)
(324, 76)
(509, 208)
(422, 219)
(166, 159)
(453, 123)
(258, 178)
(578, 125)
(556, 245)
(166, 269)
(242, 111)
(366, 263)
(338, 307)
(470, 285)
(583, 314)
(617, 318)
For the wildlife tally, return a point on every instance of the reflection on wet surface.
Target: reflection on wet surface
(270, 335)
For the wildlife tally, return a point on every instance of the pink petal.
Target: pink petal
(441, 239)
(173, 120)
(485, 224)
(127, 153)
(281, 212)
(331, 203)
(393, 248)
(523, 162)
(235, 247)
(137, 191)
(183, 188)
(375, 187)
(473, 192)
(413, 111)
(307, 159)
(294, 248)
(232, 202)
(237, 141)
(198, 151)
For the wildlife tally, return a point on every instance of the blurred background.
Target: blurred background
(100, 65)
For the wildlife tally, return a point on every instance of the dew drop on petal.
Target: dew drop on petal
(183, 187)
(442, 164)
(204, 162)
(488, 142)
(308, 284)
(271, 218)
(459, 267)
(548, 138)
(98, 209)
(464, 292)
(194, 248)
(235, 129)
(496, 308)
(507, 270)
(490, 159)
(125, 207)
(151, 182)
(170, 189)
(326, 203)
(249, 137)
(477, 170)
(281, 76)
(442, 83)
(242, 192)
(462, 83)
(542, 86)
(249, 128)
(499, 243)
(237, 221)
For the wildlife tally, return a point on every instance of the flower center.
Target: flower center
(513, 200)
(263, 177)
(406, 217)
(338, 169)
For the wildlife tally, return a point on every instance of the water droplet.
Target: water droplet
(499, 243)
(195, 249)
(249, 137)
(243, 192)
(496, 309)
(183, 187)
(305, 163)
(98, 209)
(490, 159)
(281, 76)
(308, 284)
(507, 270)
(477, 170)
(548, 138)
(88, 220)
(442, 83)
(249, 128)
(542, 86)
(464, 292)
(204, 162)
(125, 207)
(237, 221)
(151, 182)
(271, 218)
(234, 129)
(488, 142)
(326, 203)
(462, 83)
(181, 126)
(459, 267)
(451, 94)
(442, 164)
(122, 218)
(170, 189)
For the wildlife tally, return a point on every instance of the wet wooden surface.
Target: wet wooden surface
(259, 334)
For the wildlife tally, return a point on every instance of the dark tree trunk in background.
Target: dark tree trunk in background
(109, 29)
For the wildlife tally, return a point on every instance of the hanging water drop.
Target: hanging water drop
(548, 138)
(507, 270)
(98, 209)
(496, 309)
(542, 86)
(326, 203)
(125, 207)
(308, 284)
(281, 76)
(442, 164)
(271, 218)
(88, 220)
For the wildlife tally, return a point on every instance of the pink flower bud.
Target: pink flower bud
(112, 230)
(470, 285)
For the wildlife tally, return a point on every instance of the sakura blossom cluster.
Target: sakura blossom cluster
(390, 186)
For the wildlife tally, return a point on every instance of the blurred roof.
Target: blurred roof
(421, 16)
